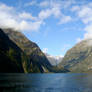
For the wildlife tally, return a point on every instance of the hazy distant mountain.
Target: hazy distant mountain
(54, 60)
(79, 58)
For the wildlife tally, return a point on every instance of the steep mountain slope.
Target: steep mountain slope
(11, 56)
(54, 60)
(79, 58)
(38, 61)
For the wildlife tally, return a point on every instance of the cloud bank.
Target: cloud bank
(84, 13)
(11, 18)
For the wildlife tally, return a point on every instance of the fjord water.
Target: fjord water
(71, 82)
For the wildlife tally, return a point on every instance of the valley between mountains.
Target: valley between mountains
(20, 55)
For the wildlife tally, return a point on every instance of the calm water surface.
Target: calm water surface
(46, 82)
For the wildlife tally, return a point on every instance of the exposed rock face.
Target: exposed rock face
(79, 58)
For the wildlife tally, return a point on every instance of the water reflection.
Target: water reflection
(79, 82)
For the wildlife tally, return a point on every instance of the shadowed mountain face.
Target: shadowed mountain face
(10, 55)
(18, 54)
(37, 59)
(79, 58)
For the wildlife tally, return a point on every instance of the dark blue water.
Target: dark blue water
(46, 82)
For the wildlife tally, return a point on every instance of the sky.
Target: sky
(55, 25)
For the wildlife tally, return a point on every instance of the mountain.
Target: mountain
(37, 60)
(11, 56)
(54, 60)
(79, 58)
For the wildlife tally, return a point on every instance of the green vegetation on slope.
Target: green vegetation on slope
(38, 61)
(79, 58)
(10, 55)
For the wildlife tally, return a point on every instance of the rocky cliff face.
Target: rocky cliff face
(79, 58)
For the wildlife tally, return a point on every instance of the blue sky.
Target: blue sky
(55, 25)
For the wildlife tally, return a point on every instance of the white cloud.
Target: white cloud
(75, 8)
(65, 47)
(25, 15)
(45, 14)
(45, 50)
(32, 26)
(84, 13)
(33, 2)
(78, 40)
(44, 4)
(86, 16)
(65, 19)
(4, 7)
(10, 18)
(53, 8)
(62, 4)
(56, 12)
(88, 33)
